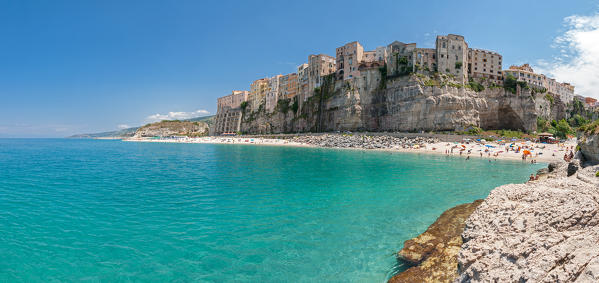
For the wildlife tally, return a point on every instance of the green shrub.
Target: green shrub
(458, 65)
(244, 105)
(474, 130)
(590, 128)
(562, 129)
(476, 86)
(510, 134)
(549, 98)
(430, 82)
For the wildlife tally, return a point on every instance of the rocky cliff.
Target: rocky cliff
(374, 102)
(588, 141)
(172, 128)
(541, 231)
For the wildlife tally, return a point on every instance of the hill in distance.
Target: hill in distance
(129, 132)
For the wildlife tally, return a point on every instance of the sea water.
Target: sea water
(113, 211)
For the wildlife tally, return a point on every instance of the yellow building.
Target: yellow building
(257, 96)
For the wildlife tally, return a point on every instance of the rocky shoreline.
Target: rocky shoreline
(433, 254)
(541, 231)
(363, 141)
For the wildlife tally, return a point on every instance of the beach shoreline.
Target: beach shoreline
(467, 149)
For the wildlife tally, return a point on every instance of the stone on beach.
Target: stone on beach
(363, 141)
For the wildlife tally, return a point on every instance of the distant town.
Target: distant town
(451, 56)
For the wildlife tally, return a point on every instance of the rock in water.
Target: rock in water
(434, 252)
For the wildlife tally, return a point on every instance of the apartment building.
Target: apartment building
(526, 74)
(485, 64)
(302, 80)
(348, 58)
(232, 100)
(228, 115)
(288, 86)
(424, 59)
(272, 93)
(318, 66)
(257, 96)
(398, 52)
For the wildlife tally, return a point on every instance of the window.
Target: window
(456, 57)
(443, 44)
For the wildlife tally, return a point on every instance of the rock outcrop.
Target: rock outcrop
(410, 103)
(172, 128)
(434, 252)
(589, 145)
(541, 231)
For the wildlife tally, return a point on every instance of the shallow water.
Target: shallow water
(92, 210)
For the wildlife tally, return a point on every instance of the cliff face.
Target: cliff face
(589, 145)
(172, 128)
(410, 103)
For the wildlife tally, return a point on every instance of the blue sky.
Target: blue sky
(71, 67)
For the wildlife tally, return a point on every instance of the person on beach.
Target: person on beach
(532, 177)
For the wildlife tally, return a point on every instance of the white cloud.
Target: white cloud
(123, 126)
(177, 115)
(578, 59)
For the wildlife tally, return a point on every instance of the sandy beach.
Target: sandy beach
(467, 148)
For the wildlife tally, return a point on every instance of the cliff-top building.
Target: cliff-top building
(452, 56)
(318, 66)
(232, 100)
(351, 55)
(525, 73)
(348, 59)
(485, 64)
(399, 57)
(272, 93)
(228, 115)
(302, 80)
(257, 96)
(288, 86)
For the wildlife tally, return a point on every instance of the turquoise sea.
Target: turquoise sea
(113, 211)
